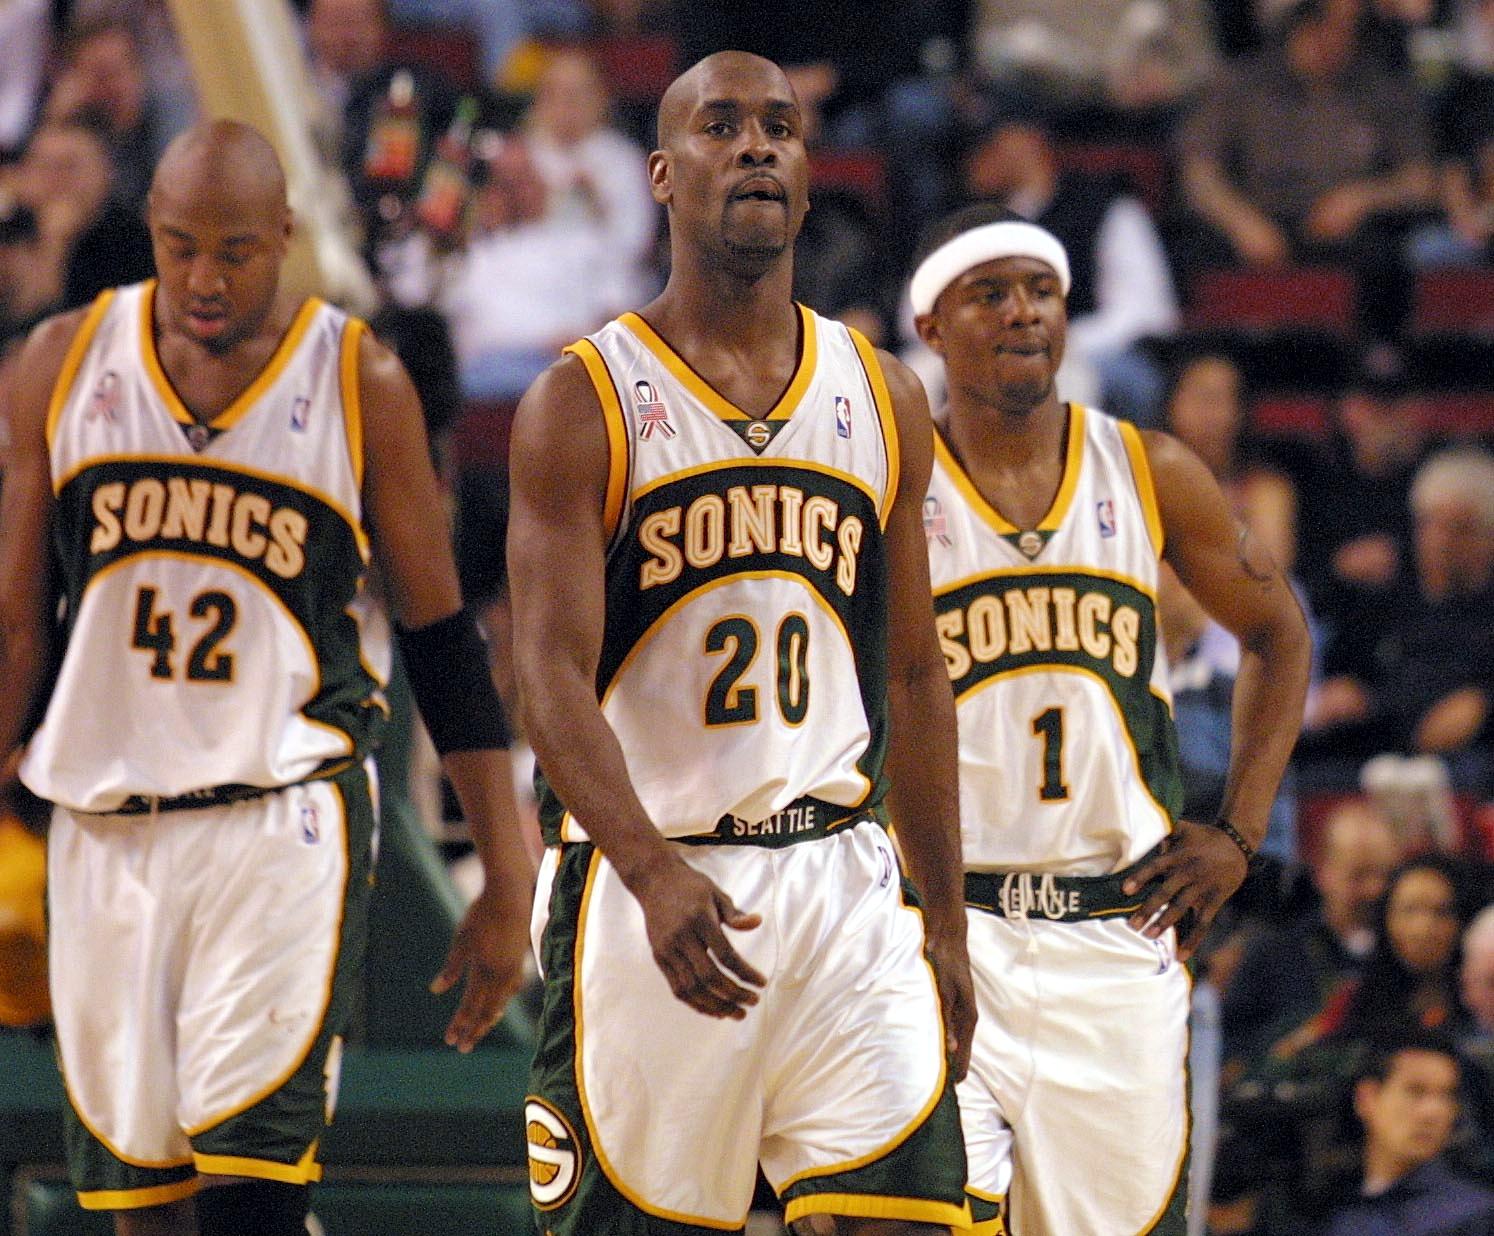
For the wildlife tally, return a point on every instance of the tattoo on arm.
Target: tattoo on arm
(1254, 560)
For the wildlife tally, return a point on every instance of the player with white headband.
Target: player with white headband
(1047, 524)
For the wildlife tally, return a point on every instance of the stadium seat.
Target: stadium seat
(1453, 302)
(452, 51)
(1291, 415)
(1144, 166)
(1456, 413)
(638, 67)
(861, 172)
(1314, 299)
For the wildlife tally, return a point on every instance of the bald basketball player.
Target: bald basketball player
(731, 685)
(208, 470)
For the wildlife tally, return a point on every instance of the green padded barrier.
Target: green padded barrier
(48, 1209)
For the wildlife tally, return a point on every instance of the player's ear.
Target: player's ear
(660, 177)
(927, 326)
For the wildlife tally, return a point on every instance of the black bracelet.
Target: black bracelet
(1234, 834)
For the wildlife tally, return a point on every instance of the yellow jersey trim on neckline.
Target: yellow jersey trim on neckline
(1062, 500)
(245, 399)
(72, 360)
(708, 394)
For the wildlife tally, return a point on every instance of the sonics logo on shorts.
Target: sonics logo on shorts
(554, 1155)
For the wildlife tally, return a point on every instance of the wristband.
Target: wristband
(1234, 834)
(447, 664)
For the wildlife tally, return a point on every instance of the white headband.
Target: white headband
(984, 244)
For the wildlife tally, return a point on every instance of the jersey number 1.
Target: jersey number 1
(1048, 725)
(155, 633)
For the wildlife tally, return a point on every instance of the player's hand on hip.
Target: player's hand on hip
(951, 960)
(1185, 885)
(488, 952)
(686, 916)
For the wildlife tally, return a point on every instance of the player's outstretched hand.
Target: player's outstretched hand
(1197, 871)
(488, 950)
(956, 995)
(686, 916)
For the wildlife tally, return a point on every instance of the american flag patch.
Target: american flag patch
(1105, 513)
(842, 416)
(935, 524)
(652, 414)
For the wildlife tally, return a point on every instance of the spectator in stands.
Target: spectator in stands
(1355, 526)
(102, 77)
(1308, 152)
(1207, 409)
(503, 31)
(1416, 672)
(26, 35)
(1122, 291)
(70, 238)
(545, 263)
(1477, 979)
(1406, 1099)
(595, 178)
(1465, 150)
(380, 115)
(1138, 60)
(1291, 972)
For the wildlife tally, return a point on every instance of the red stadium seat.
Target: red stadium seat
(1279, 298)
(452, 51)
(1457, 413)
(858, 171)
(1144, 166)
(637, 67)
(1294, 415)
(1453, 302)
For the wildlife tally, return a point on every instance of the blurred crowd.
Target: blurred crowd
(492, 159)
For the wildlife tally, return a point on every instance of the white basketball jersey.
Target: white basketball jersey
(218, 631)
(1068, 756)
(744, 663)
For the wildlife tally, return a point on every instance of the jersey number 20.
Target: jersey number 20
(726, 702)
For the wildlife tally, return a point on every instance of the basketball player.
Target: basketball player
(1046, 524)
(206, 468)
(716, 556)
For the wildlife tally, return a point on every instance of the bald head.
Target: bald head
(225, 161)
(706, 78)
(1360, 849)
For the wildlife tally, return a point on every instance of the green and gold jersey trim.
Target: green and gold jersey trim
(1062, 500)
(1146, 490)
(72, 360)
(883, 400)
(617, 432)
(708, 394)
(352, 394)
(250, 395)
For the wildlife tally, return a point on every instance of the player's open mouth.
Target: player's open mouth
(759, 189)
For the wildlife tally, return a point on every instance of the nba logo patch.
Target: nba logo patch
(300, 411)
(935, 525)
(1105, 513)
(652, 414)
(311, 824)
(105, 400)
(842, 416)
